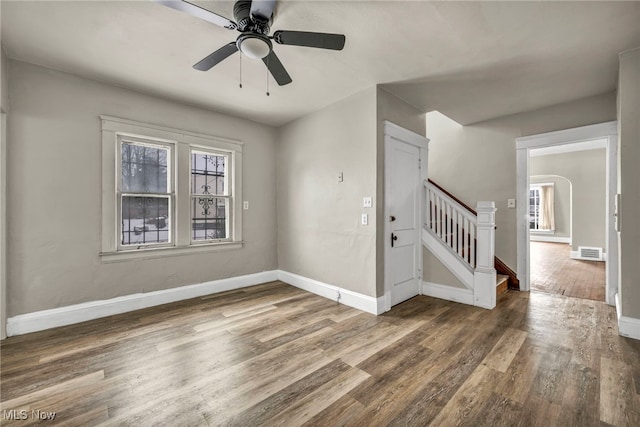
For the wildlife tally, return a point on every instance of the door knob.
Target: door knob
(392, 218)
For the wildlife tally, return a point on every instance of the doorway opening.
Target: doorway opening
(567, 208)
(566, 188)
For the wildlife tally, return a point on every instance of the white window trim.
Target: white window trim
(183, 141)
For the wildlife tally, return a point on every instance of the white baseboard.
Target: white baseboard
(343, 296)
(627, 326)
(47, 319)
(461, 295)
(552, 239)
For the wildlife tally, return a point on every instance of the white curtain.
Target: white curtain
(547, 217)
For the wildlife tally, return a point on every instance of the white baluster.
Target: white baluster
(427, 209)
(433, 212)
(440, 217)
(472, 245)
(454, 228)
(465, 240)
(447, 231)
(460, 229)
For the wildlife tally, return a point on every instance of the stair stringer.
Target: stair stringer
(445, 255)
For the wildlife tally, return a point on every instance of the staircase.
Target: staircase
(463, 239)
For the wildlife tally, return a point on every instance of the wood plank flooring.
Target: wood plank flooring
(553, 271)
(275, 355)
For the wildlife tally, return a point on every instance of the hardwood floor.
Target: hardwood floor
(275, 355)
(553, 271)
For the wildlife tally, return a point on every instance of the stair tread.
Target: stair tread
(500, 278)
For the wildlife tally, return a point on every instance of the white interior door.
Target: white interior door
(402, 200)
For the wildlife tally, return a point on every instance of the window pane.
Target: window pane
(144, 169)
(145, 220)
(534, 208)
(208, 173)
(209, 218)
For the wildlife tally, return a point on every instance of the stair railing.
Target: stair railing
(467, 233)
(452, 223)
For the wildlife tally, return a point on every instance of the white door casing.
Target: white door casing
(405, 170)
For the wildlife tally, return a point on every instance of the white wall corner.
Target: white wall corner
(627, 326)
(340, 295)
(52, 318)
(449, 293)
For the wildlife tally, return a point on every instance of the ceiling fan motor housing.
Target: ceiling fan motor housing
(255, 46)
(247, 22)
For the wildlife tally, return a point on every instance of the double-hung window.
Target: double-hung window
(210, 198)
(145, 193)
(168, 191)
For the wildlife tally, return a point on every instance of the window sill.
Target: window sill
(109, 257)
(543, 232)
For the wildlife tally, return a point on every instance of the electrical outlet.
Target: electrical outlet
(245, 205)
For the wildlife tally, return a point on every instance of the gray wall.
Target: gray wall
(629, 181)
(319, 231)
(4, 107)
(587, 172)
(561, 201)
(478, 162)
(4, 78)
(54, 193)
(436, 272)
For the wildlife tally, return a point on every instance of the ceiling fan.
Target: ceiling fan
(253, 19)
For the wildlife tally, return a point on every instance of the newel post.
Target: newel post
(484, 280)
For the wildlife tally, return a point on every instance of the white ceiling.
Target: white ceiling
(471, 60)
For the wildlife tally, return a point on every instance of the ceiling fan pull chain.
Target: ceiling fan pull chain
(240, 70)
(267, 76)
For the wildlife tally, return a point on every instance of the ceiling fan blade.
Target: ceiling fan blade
(216, 57)
(304, 38)
(262, 9)
(199, 12)
(277, 69)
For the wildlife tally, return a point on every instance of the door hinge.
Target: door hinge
(419, 163)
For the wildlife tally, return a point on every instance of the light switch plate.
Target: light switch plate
(511, 203)
(245, 205)
(367, 202)
(365, 219)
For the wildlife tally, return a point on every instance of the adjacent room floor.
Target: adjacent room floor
(553, 271)
(276, 355)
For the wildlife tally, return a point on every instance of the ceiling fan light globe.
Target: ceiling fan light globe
(254, 47)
